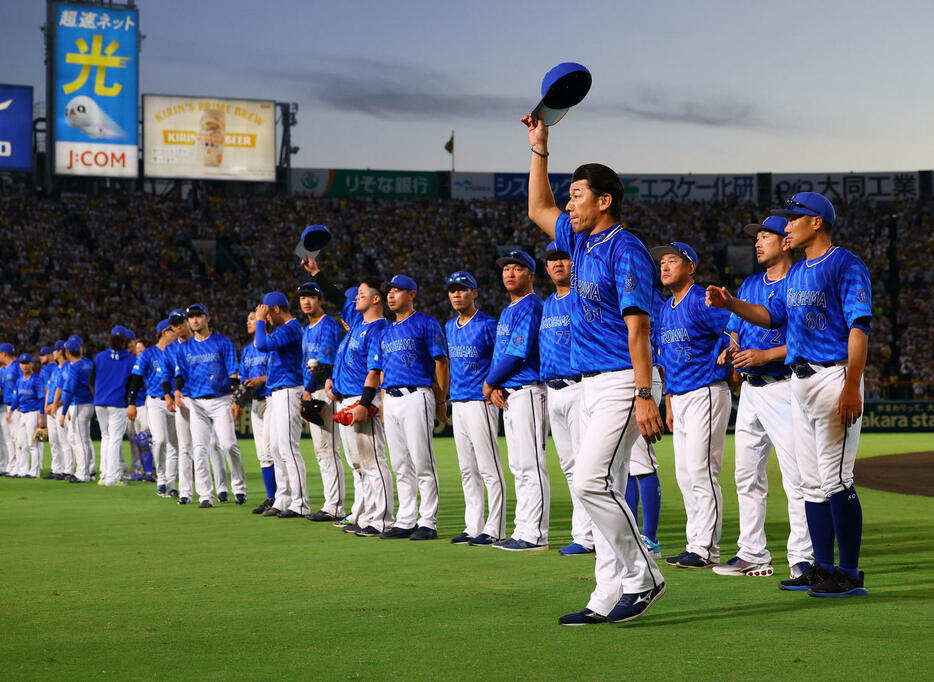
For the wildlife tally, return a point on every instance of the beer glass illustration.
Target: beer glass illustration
(211, 138)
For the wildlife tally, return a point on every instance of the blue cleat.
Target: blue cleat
(574, 549)
(461, 539)
(631, 606)
(654, 548)
(482, 540)
(692, 560)
(585, 617)
(513, 545)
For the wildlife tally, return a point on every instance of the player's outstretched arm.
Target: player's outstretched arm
(850, 407)
(720, 297)
(543, 211)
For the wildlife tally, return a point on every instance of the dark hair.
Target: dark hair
(602, 180)
(118, 342)
(373, 283)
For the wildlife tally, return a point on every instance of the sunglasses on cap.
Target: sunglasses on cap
(460, 279)
(791, 205)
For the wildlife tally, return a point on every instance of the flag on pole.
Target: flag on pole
(449, 145)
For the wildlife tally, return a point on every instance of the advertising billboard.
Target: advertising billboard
(344, 182)
(209, 138)
(15, 127)
(95, 84)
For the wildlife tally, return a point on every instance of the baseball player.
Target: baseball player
(412, 357)
(319, 346)
(697, 401)
(471, 337)
(63, 460)
(139, 459)
(147, 373)
(513, 385)
(47, 369)
(284, 419)
(9, 375)
(613, 277)
(207, 364)
(826, 302)
(178, 320)
(563, 386)
(77, 395)
(643, 485)
(112, 368)
(29, 403)
(254, 371)
(763, 418)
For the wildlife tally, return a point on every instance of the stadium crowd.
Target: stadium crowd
(82, 263)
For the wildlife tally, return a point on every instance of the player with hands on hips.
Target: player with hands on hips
(613, 277)
(826, 302)
(763, 417)
(471, 337)
(513, 384)
(698, 400)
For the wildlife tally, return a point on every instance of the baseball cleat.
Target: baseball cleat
(584, 617)
(368, 532)
(240, 498)
(206, 504)
(482, 540)
(839, 584)
(223, 497)
(814, 575)
(799, 568)
(461, 539)
(424, 533)
(692, 560)
(737, 566)
(173, 493)
(396, 533)
(673, 560)
(160, 490)
(351, 528)
(342, 522)
(654, 548)
(574, 549)
(322, 515)
(272, 511)
(289, 514)
(48, 477)
(266, 504)
(513, 545)
(184, 500)
(631, 606)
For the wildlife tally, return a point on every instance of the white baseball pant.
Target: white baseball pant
(824, 448)
(349, 441)
(475, 425)
(601, 470)
(564, 417)
(258, 411)
(284, 421)
(526, 423)
(327, 444)
(763, 419)
(213, 415)
(78, 425)
(133, 427)
(700, 421)
(7, 442)
(186, 468)
(112, 421)
(643, 461)
(20, 460)
(164, 442)
(409, 422)
(32, 450)
(218, 465)
(370, 440)
(62, 460)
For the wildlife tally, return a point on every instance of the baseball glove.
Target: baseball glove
(345, 416)
(243, 395)
(311, 411)
(41, 434)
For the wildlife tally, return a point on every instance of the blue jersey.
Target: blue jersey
(284, 346)
(30, 394)
(820, 301)
(111, 371)
(554, 337)
(319, 342)
(206, 366)
(9, 375)
(149, 366)
(170, 362)
(47, 374)
(354, 356)
(54, 381)
(407, 350)
(470, 349)
(613, 271)
(517, 335)
(76, 380)
(691, 339)
(254, 363)
(757, 290)
(658, 300)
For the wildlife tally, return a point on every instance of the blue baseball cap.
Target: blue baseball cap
(399, 282)
(552, 252)
(25, 357)
(276, 298)
(119, 330)
(517, 258)
(73, 345)
(59, 345)
(45, 350)
(679, 249)
(311, 288)
(176, 316)
(562, 87)
(773, 223)
(7, 348)
(808, 203)
(461, 278)
(162, 325)
(75, 337)
(130, 334)
(196, 309)
(314, 237)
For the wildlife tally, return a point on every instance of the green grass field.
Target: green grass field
(119, 583)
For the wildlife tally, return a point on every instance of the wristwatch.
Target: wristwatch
(644, 392)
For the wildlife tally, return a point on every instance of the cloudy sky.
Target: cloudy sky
(718, 86)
